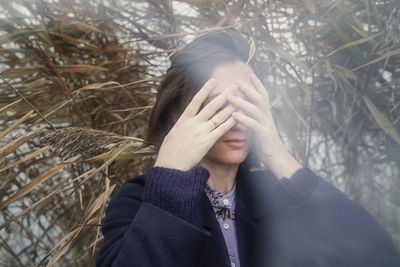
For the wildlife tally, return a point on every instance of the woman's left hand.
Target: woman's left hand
(257, 116)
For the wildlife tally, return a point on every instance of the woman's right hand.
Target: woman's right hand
(195, 132)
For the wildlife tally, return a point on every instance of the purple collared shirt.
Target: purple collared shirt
(227, 223)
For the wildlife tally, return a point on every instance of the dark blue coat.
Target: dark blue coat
(301, 221)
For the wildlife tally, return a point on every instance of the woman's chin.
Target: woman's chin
(231, 158)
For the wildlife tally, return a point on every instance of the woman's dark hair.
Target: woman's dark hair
(190, 69)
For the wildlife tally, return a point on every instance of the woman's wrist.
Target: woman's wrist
(172, 164)
(282, 165)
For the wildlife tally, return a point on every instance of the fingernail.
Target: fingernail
(212, 81)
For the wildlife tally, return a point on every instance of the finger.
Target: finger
(218, 132)
(247, 107)
(221, 116)
(260, 87)
(247, 121)
(211, 108)
(194, 105)
(251, 92)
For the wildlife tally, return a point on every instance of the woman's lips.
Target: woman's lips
(236, 143)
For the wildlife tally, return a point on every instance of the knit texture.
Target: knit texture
(176, 191)
(301, 184)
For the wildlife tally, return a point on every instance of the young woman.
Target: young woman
(200, 205)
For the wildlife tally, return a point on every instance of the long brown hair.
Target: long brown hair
(191, 67)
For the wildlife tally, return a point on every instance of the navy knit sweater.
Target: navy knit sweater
(164, 218)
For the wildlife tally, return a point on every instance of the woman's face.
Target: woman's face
(232, 148)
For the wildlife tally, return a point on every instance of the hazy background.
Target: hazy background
(332, 68)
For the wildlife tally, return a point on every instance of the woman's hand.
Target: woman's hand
(256, 115)
(195, 132)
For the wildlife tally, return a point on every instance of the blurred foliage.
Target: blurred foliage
(79, 77)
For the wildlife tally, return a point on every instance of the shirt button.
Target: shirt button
(226, 226)
(232, 264)
(225, 201)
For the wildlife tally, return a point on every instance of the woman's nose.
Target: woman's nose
(238, 93)
(239, 127)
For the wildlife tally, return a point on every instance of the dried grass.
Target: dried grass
(86, 142)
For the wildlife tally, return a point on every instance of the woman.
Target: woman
(200, 205)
